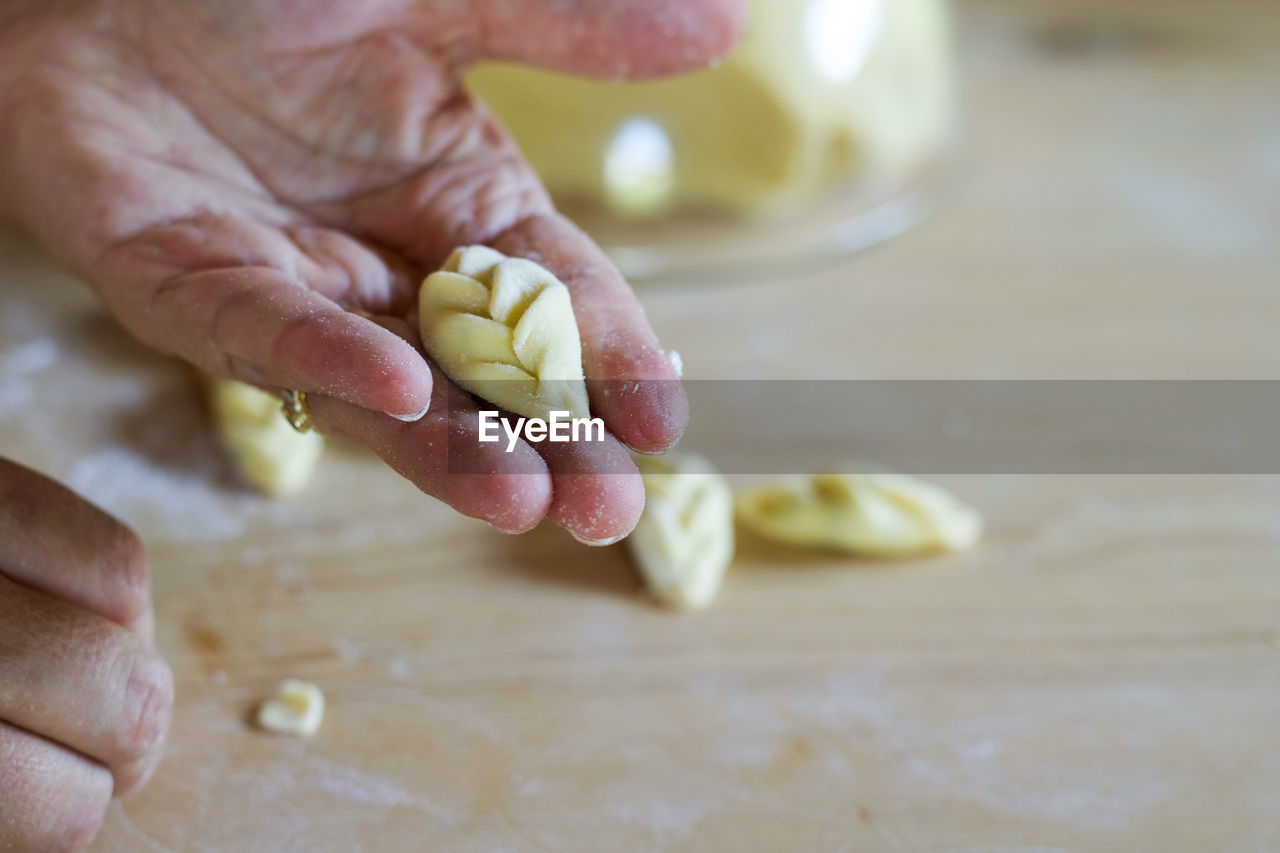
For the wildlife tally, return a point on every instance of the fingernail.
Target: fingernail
(639, 452)
(414, 417)
(513, 531)
(152, 700)
(599, 543)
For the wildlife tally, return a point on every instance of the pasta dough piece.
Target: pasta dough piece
(816, 93)
(684, 540)
(503, 329)
(268, 453)
(296, 709)
(875, 515)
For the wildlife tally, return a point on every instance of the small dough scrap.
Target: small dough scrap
(268, 453)
(684, 540)
(870, 514)
(296, 709)
(503, 329)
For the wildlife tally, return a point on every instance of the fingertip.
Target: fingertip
(397, 381)
(510, 503)
(686, 36)
(148, 710)
(726, 25)
(413, 418)
(409, 381)
(509, 490)
(330, 351)
(625, 39)
(597, 509)
(403, 392)
(598, 494)
(648, 414)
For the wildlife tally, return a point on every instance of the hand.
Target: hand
(241, 182)
(84, 698)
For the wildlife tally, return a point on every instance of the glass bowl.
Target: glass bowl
(828, 130)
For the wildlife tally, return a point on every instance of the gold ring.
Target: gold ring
(295, 411)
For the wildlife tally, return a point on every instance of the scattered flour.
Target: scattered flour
(289, 572)
(661, 817)
(352, 651)
(19, 368)
(400, 668)
(1197, 217)
(352, 785)
(296, 775)
(966, 755)
(162, 502)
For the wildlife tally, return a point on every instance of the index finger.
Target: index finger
(54, 541)
(616, 39)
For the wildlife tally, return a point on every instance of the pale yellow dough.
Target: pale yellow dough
(684, 540)
(503, 329)
(874, 515)
(296, 709)
(267, 452)
(817, 92)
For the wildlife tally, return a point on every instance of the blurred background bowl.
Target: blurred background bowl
(829, 129)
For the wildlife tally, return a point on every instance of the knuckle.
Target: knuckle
(234, 367)
(22, 498)
(126, 557)
(50, 799)
(294, 339)
(125, 571)
(147, 709)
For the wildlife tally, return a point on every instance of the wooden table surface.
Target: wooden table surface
(1103, 674)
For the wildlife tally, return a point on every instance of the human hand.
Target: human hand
(85, 699)
(259, 188)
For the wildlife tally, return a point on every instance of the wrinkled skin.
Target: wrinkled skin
(85, 700)
(258, 187)
(236, 179)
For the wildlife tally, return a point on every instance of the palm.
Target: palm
(231, 177)
(347, 162)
